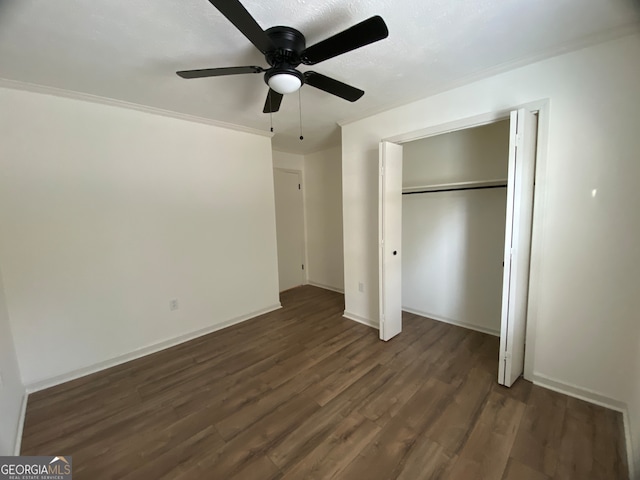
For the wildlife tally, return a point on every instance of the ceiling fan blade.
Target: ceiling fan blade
(219, 72)
(333, 86)
(364, 33)
(272, 104)
(238, 15)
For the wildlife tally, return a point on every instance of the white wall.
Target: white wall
(584, 299)
(453, 245)
(472, 154)
(453, 242)
(108, 213)
(323, 201)
(11, 388)
(288, 161)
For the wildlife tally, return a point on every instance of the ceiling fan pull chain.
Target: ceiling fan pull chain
(270, 111)
(300, 105)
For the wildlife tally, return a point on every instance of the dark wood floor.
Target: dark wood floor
(303, 393)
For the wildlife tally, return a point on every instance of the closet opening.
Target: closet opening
(455, 222)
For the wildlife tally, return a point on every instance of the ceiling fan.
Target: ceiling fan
(284, 48)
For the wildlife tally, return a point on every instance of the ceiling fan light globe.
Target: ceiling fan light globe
(284, 83)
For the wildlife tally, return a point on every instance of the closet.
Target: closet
(457, 210)
(454, 200)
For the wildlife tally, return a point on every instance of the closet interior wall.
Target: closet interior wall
(453, 240)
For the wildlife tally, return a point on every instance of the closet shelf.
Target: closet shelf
(446, 187)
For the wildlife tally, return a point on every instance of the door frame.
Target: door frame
(300, 173)
(541, 108)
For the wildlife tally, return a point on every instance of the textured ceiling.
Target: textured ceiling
(129, 50)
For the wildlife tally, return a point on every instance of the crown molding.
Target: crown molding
(562, 49)
(112, 102)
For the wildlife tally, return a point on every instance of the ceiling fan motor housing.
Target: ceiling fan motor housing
(284, 59)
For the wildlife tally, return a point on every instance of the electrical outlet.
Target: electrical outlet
(173, 304)
(361, 287)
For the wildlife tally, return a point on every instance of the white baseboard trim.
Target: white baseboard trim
(596, 398)
(359, 319)
(143, 352)
(470, 326)
(20, 429)
(629, 443)
(575, 391)
(326, 287)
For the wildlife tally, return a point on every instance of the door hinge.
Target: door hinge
(382, 171)
(299, 188)
(303, 266)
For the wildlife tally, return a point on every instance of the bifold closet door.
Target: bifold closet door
(390, 239)
(517, 247)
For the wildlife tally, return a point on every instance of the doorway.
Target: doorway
(519, 183)
(289, 227)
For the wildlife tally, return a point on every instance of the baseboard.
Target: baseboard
(326, 287)
(629, 443)
(359, 319)
(20, 429)
(575, 391)
(595, 398)
(143, 352)
(470, 326)
(371, 323)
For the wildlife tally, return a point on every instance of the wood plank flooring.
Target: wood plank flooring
(302, 393)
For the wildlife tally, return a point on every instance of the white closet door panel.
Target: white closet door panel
(390, 239)
(522, 152)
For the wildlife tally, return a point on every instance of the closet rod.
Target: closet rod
(453, 189)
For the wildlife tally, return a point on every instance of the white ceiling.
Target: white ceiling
(129, 50)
